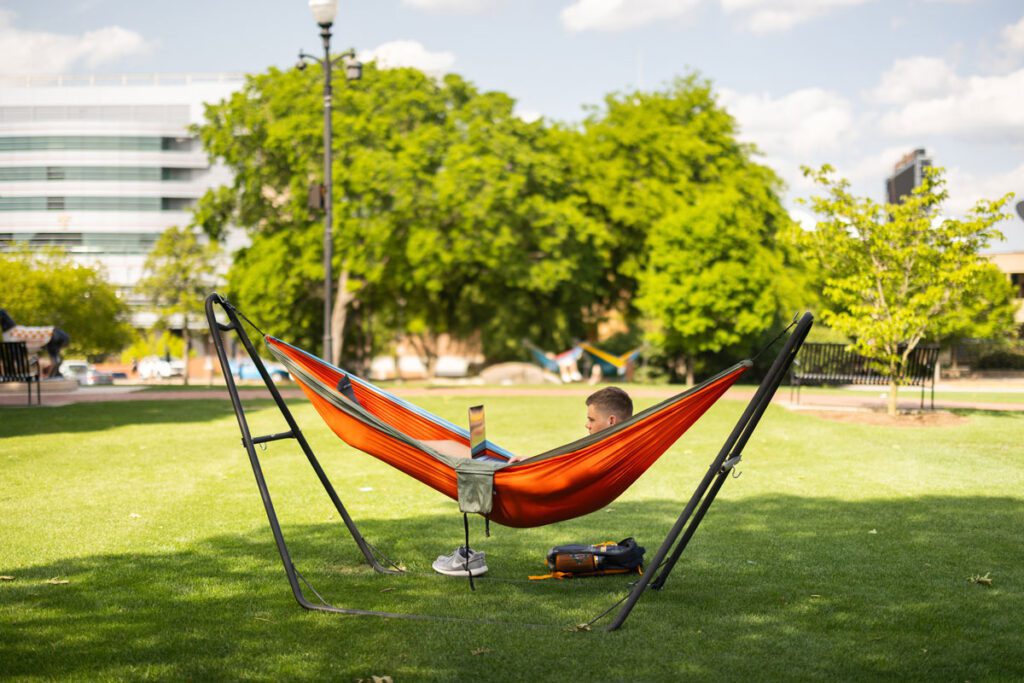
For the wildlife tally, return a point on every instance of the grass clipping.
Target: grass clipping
(985, 580)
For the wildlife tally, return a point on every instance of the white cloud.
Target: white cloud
(619, 15)
(916, 78)
(399, 53)
(985, 107)
(1013, 37)
(967, 188)
(450, 5)
(803, 128)
(770, 16)
(799, 125)
(37, 52)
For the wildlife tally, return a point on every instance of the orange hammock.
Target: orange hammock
(567, 482)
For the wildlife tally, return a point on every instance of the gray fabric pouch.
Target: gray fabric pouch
(476, 485)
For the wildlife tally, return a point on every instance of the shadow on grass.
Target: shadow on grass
(774, 587)
(981, 412)
(94, 417)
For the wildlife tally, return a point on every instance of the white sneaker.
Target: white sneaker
(461, 563)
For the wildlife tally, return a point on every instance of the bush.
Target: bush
(1003, 359)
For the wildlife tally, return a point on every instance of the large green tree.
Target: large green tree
(692, 221)
(179, 272)
(43, 288)
(894, 274)
(452, 215)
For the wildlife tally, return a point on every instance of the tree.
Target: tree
(987, 312)
(179, 272)
(894, 274)
(48, 288)
(452, 214)
(692, 222)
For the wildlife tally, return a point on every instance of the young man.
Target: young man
(605, 408)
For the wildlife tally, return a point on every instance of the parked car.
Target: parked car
(85, 374)
(246, 369)
(155, 367)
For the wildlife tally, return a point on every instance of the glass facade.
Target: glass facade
(96, 203)
(118, 173)
(101, 143)
(98, 243)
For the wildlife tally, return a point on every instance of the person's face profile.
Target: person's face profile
(597, 419)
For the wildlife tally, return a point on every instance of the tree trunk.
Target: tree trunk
(690, 380)
(339, 315)
(894, 389)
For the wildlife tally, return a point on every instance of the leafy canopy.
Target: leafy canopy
(179, 272)
(44, 288)
(452, 215)
(693, 221)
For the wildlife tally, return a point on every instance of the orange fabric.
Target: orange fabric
(526, 494)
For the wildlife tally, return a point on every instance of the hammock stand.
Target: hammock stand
(662, 564)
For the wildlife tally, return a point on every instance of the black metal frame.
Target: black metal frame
(655, 578)
(720, 469)
(249, 442)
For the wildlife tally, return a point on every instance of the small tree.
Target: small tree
(988, 312)
(49, 288)
(179, 272)
(896, 273)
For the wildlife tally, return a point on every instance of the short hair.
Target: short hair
(612, 401)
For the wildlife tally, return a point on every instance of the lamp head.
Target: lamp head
(353, 69)
(323, 11)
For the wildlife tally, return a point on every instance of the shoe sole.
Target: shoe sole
(461, 572)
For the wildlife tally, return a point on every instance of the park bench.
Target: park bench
(16, 365)
(836, 365)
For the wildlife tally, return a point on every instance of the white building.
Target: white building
(101, 165)
(1013, 265)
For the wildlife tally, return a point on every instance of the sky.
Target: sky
(853, 83)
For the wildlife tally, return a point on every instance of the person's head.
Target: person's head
(607, 407)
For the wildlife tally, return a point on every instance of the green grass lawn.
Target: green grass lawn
(914, 393)
(906, 394)
(842, 552)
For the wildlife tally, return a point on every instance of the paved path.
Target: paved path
(862, 400)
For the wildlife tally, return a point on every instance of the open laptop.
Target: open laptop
(477, 434)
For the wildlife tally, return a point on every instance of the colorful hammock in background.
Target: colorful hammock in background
(610, 364)
(562, 364)
(563, 483)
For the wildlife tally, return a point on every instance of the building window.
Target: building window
(177, 203)
(1017, 279)
(90, 243)
(176, 174)
(96, 203)
(89, 173)
(94, 143)
(177, 144)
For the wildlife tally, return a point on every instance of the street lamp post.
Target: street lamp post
(323, 13)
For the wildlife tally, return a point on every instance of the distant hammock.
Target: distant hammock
(611, 365)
